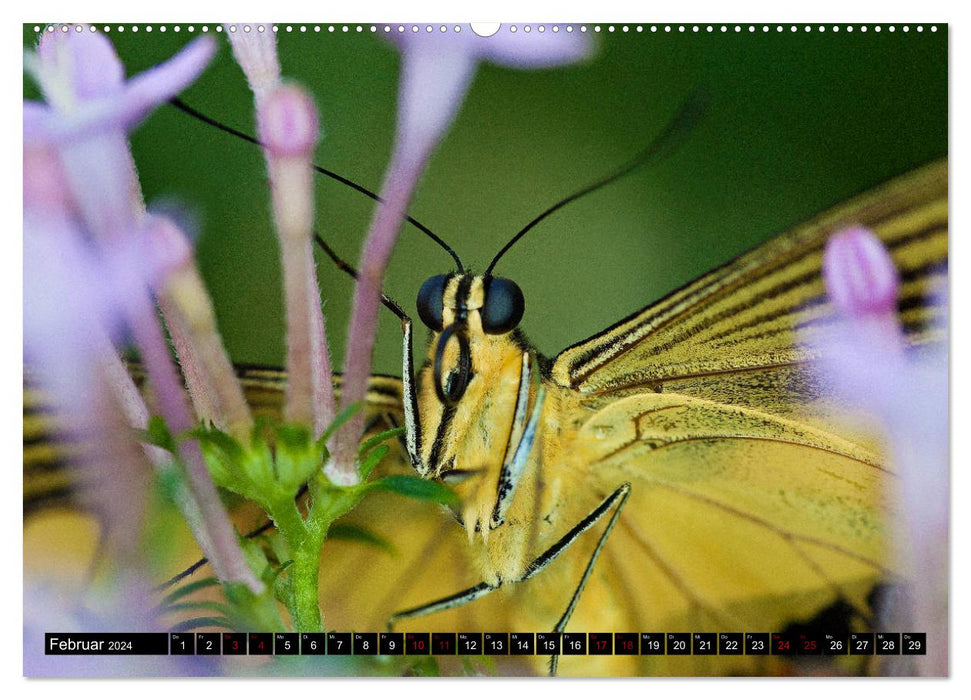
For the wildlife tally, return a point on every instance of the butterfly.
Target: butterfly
(683, 470)
(680, 471)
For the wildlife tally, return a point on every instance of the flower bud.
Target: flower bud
(288, 122)
(860, 276)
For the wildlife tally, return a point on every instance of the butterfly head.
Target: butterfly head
(461, 309)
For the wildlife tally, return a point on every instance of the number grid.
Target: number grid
(490, 643)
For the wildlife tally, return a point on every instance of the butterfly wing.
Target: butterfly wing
(735, 335)
(750, 508)
(61, 533)
(737, 521)
(50, 474)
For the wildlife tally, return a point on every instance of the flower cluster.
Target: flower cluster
(102, 272)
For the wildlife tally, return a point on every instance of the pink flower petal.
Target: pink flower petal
(431, 91)
(288, 122)
(159, 84)
(860, 275)
(85, 61)
(511, 49)
(36, 123)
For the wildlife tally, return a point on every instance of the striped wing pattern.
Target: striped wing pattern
(51, 476)
(732, 335)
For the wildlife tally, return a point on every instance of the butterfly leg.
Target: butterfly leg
(616, 500)
(618, 497)
(447, 603)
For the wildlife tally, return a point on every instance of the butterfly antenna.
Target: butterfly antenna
(388, 302)
(196, 114)
(681, 124)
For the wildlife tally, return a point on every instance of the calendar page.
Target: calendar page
(520, 349)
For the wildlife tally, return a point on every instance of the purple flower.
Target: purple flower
(90, 108)
(255, 52)
(867, 360)
(436, 71)
(98, 229)
(289, 130)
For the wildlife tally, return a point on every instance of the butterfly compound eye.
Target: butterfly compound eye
(430, 301)
(503, 307)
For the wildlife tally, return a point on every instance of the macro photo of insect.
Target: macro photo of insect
(522, 350)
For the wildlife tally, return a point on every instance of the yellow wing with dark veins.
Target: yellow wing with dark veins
(732, 336)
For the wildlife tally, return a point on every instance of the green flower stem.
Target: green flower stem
(305, 573)
(305, 538)
(328, 504)
(288, 521)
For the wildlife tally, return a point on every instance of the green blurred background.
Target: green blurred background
(798, 122)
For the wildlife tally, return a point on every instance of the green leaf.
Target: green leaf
(283, 567)
(371, 461)
(170, 483)
(197, 622)
(220, 440)
(220, 608)
(371, 442)
(293, 436)
(158, 434)
(424, 666)
(355, 533)
(341, 418)
(418, 488)
(297, 456)
(189, 589)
